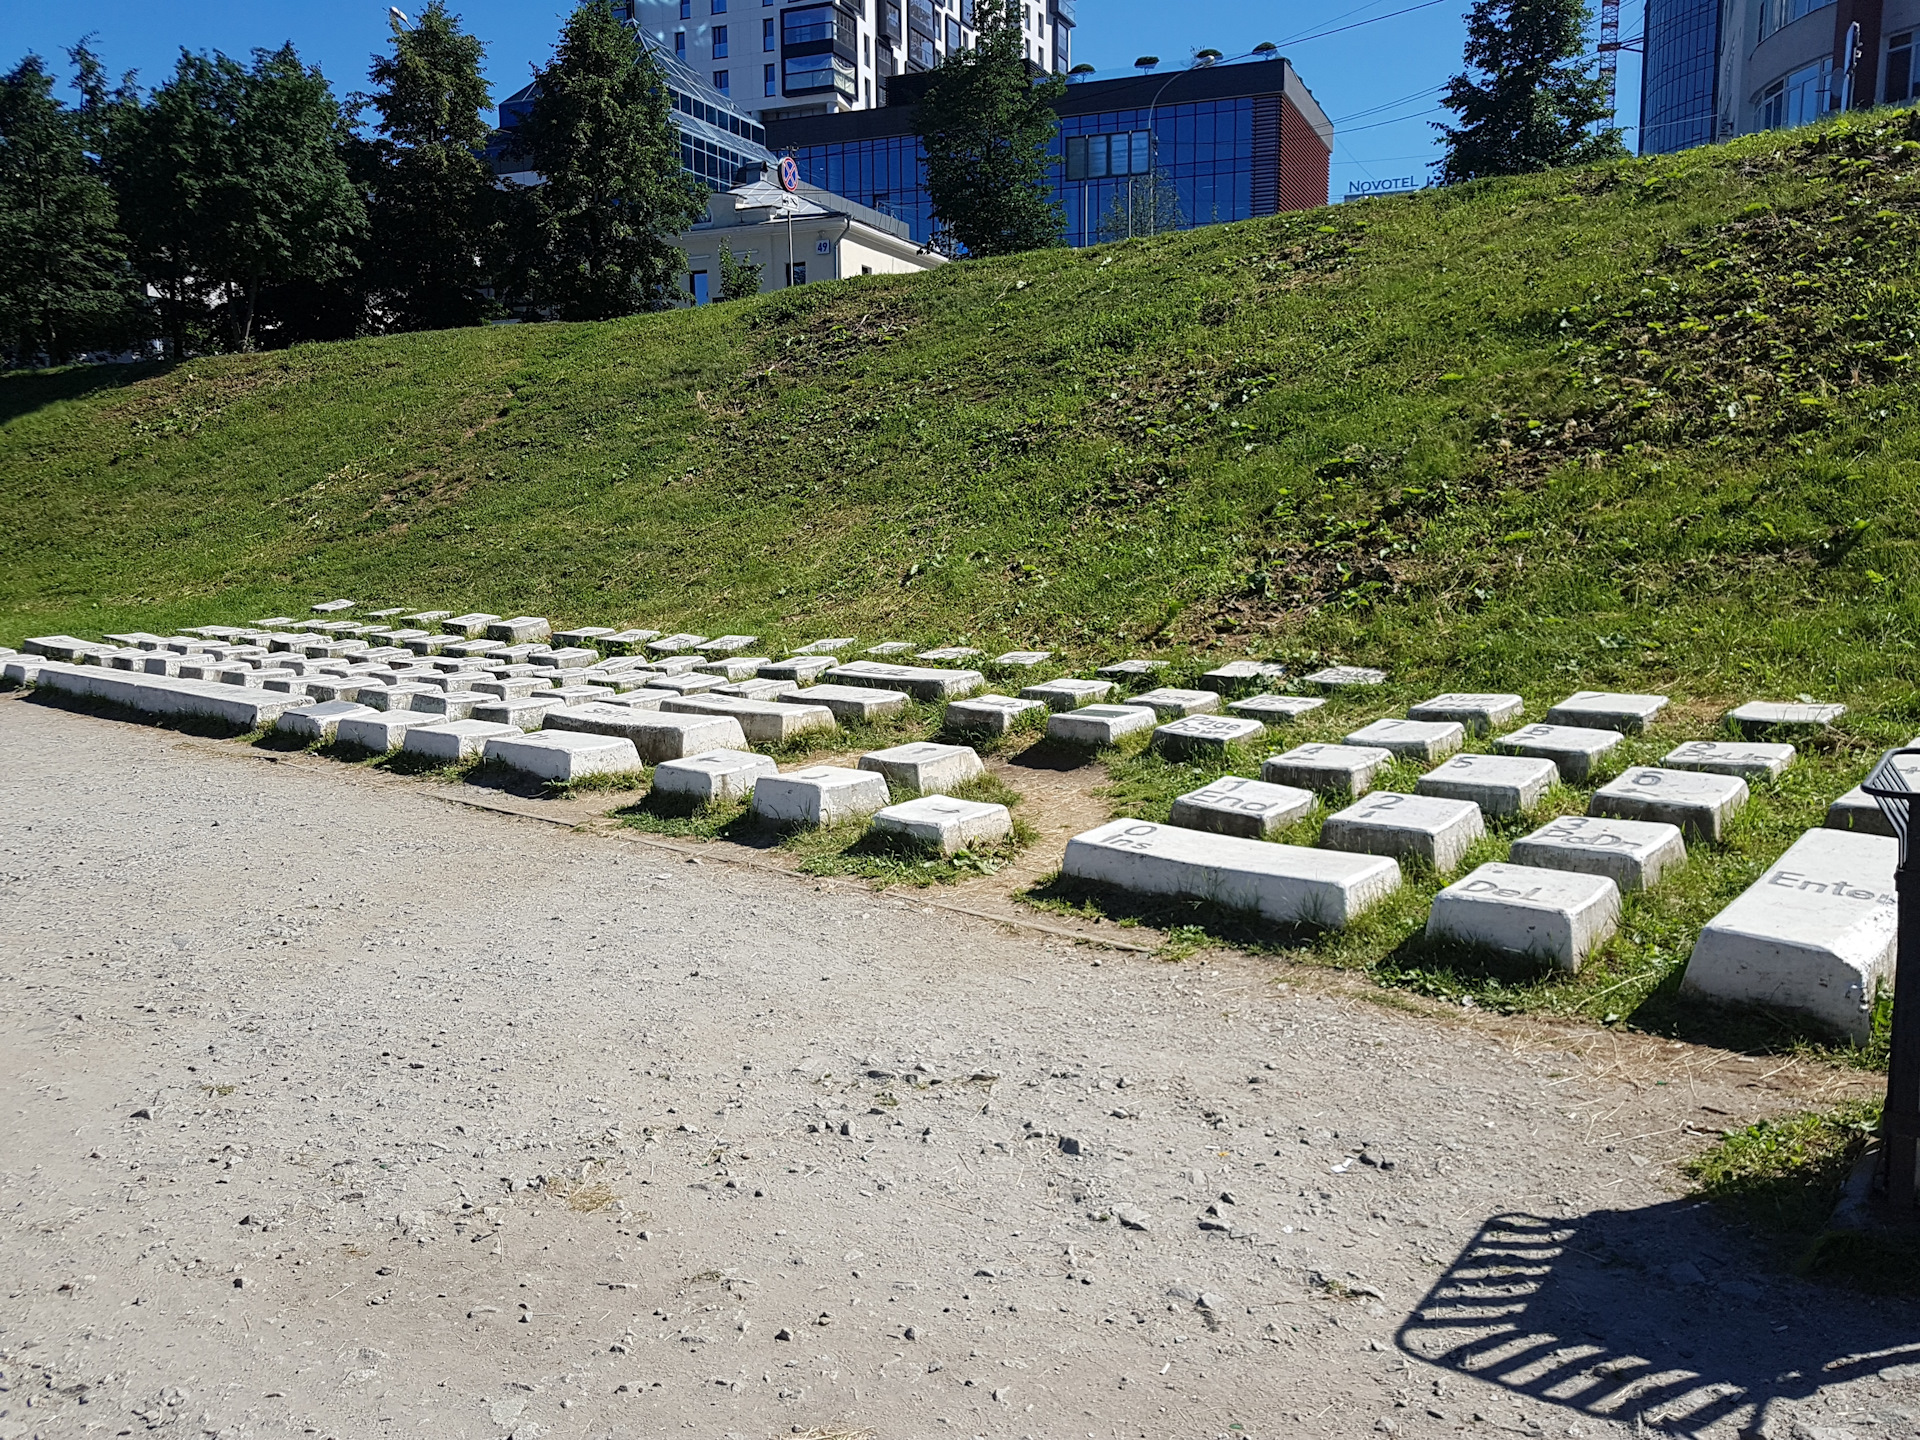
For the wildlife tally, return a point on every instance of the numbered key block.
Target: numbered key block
(921, 682)
(322, 721)
(989, 714)
(1760, 717)
(1498, 784)
(453, 741)
(1572, 748)
(1407, 827)
(1345, 677)
(1413, 739)
(849, 702)
(1252, 809)
(380, 733)
(1480, 714)
(1288, 884)
(1208, 735)
(1237, 675)
(940, 822)
(1634, 854)
(819, 795)
(1814, 935)
(1170, 704)
(1276, 709)
(713, 778)
(1749, 759)
(925, 766)
(1699, 804)
(1100, 724)
(1068, 694)
(763, 722)
(1606, 710)
(1559, 916)
(1328, 769)
(655, 736)
(797, 668)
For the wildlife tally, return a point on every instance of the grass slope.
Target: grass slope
(1648, 424)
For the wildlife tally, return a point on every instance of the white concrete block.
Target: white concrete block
(639, 699)
(733, 667)
(1068, 693)
(849, 703)
(583, 634)
(1814, 935)
(797, 669)
(1413, 739)
(889, 647)
(380, 731)
(1634, 854)
(925, 766)
(320, 721)
(1276, 709)
(673, 644)
(1573, 748)
(22, 669)
(1498, 784)
(1207, 735)
(1700, 804)
(452, 741)
(1345, 677)
(726, 644)
(573, 657)
(520, 630)
(921, 682)
(1022, 659)
(430, 644)
(1606, 710)
(1238, 675)
(990, 714)
(529, 713)
(472, 649)
(240, 707)
(472, 625)
(1758, 717)
(518, 687)
(764, 722)
(829, 646)
(819, 795)
(1127, 671)
(1288, 884)
(1328, 769)
(328, 607)
(1249, 808)
(574, 694)
(1171, 704)
(1100, 724)
(691, 682)
(392, 698)
(756, 689)
(454, 704)
(940, 822)
(1407, 827)
(64, 648)
(1479, 714)
(655, 735)
(1749, 759)
(672, 664)
(946, 654)
(1857, 810)
(631, 637)
(713, 777)
(1561, 916)
(564, 756)
(430, 617)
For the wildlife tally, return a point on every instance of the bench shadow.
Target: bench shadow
(1047, 753)
(1651, 1317)
(1241, 929)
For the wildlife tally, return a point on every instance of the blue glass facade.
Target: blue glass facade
(1676, 84)
(1216, 158)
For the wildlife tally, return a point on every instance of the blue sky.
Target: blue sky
(1378, 81)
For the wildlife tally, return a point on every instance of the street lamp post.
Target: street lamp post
(1891, 786)
(1204, 60)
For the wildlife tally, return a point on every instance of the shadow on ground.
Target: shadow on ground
(1655, 1318)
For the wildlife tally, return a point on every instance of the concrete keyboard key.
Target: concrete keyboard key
(1498, 784)
(920, 681)
(564, 757)
(655, 736)
(1634, 854)
(1700, 804)
(1232, 805)
(1407, 826)
(1607, 710)
(1572, 748)
(1554, 915)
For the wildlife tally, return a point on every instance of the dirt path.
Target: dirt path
(334, 1108)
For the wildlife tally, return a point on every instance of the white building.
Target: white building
(822, 57)
(796, 239)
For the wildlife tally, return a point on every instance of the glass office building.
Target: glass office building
(1135, 155)
(1676, 83)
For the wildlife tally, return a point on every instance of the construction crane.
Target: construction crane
(1610, 53)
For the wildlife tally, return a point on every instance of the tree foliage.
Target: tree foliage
(613, 194)
(64, 282)
(1150, 205)
(436, 219)
(739, 275)
(1527, 100)
(986, 125)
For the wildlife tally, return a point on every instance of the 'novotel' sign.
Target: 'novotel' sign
(1382, 187)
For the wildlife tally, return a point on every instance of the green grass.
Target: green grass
(1782, 1178)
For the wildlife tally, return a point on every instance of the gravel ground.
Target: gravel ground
(333, 1108)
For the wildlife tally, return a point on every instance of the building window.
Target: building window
(953, 36)
(719, 42)
(771, 80)
(866, 269)
(1901, 80)
(869, 94)
(697, 286)
(766, 34)
(1799, 98)
(1778, 14)
(797, 273)
(720, 81)
(686, 9)
(808, 73)
(1095, 157)
(719, 7)
(808, 26)
(680, 46)
(966, 13)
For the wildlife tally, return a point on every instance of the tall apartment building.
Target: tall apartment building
(1720, 68)
(824, 57)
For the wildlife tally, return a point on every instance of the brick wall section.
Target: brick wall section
(1304, 162)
